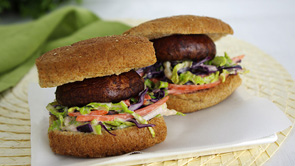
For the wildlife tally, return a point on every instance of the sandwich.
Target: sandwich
(187, 65)
(102, 107)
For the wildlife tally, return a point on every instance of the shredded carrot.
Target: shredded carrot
(237, 58)
(146, 98)
(127, 102)
(96, 112)
(179, 89)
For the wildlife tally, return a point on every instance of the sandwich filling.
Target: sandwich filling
(96, 117)
(188, 76)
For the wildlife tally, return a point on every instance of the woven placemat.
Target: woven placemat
(15, 148)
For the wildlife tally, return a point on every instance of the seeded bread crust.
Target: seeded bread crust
(90, 145)
(182, 24)
(94, 57)
(192, 102)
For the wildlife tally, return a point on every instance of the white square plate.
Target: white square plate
(239, 122)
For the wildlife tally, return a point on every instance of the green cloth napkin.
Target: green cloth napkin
(21, 44)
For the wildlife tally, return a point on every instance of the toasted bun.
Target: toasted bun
(192, 102)
(182, 24)
(94, 57)
(90, 145)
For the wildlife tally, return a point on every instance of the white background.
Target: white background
(267, 24)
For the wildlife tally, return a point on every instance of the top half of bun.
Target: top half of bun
(94, 57)
(182, 24)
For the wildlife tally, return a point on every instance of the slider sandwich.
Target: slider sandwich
(187, 65)
(102, 106)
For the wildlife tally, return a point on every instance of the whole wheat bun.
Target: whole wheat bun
(182, 24)
(192, 102)
(94, 57)
(90, 145)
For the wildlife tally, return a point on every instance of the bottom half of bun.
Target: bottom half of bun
(127, 140)
(192, 102)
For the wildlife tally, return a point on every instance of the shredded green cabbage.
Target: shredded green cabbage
(149, 84)
(96, 106)
(175, 77)
(188, 76)
(110, 125)
(55, 112)
(223, 75)
(161, 84)
(220, 61)
(55, 125)
(97, 129)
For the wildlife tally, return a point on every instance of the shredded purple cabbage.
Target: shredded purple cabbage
(159, 94)
(55, 105)
(154, 74)
(201, 68)
(154, 67)
(105, 128)
(197, 67)
(139, 125)
(140, 71)
(182, 70)
(140, 101)
(239, 61)
(152, 71)
(201, 62)
(236, 67)
(87, 128)
(112, 112)
(189, 83)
